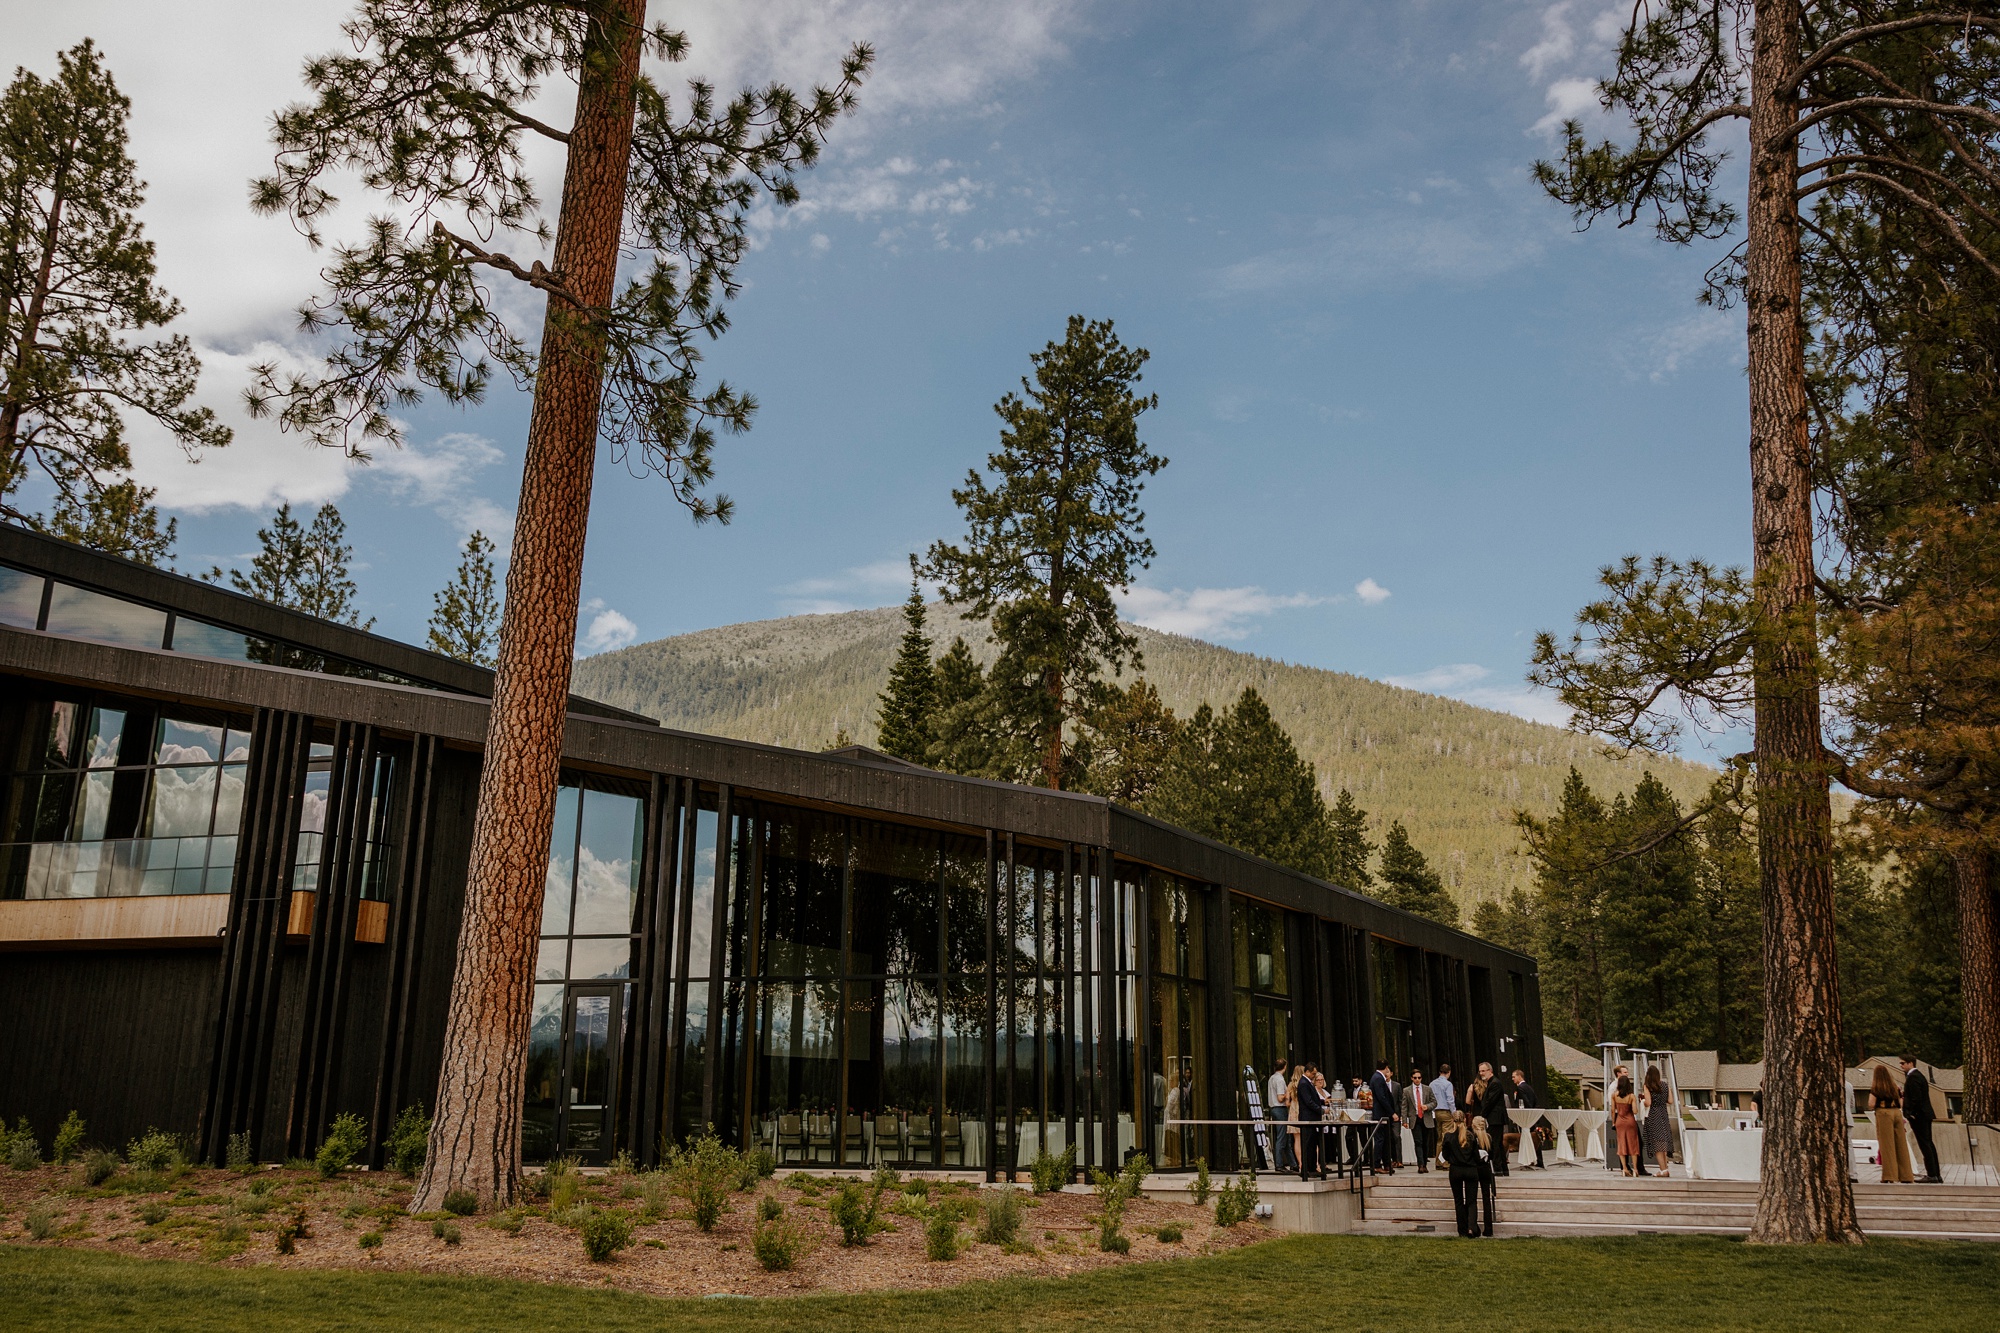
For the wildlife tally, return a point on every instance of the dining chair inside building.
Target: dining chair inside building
(791, 1138)
(888, 1140)
(953, 1142)
(921, 1145)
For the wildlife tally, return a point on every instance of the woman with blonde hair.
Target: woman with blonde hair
(1459, 1152)
(1488, 1192)
(1891, 1146)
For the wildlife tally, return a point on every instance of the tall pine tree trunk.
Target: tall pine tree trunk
(475, 1142)
(1806, 1195)
(1979, 979)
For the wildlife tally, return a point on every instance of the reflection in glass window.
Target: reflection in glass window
(895, 927)
(607, 863)
(116, 801)
(803, 860)
(20, 598)
(198, 638)
(92, 615)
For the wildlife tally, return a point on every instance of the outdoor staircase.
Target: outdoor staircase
(1582, 1201)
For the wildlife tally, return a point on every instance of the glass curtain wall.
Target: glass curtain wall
(1034, 1083)
(112, 798)
(1262, 974)
(1178, 1043)
(583, 973)
(1128, 895)
(1395, 1028)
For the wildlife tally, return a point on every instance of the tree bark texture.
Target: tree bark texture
(475, 1141)
(1806, 1195)
(1979, 980)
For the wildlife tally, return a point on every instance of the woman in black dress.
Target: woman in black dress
(1659, 1119)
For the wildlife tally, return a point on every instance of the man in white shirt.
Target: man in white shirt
(1278, 1112)
(1442, 1097)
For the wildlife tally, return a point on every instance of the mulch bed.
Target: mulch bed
(217, 1216)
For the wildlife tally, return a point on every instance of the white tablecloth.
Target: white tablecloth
(1723, 1154)
(1563, 1120)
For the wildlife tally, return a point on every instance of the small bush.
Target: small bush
(853, 1210)
(561, 1184)
(41, 1221)
(941, 1240)
(24, 1152)
(802, 1182)
(917, 1187)
(778, 1241)
(509, 1222)
(1113, 1194)
(621, 1165)
(461, 1202)
(344, 1140)
(1236, 1201)
(69, 1140)
(409, 1140)
(1051, 1172)
(1003, 1218)
(298, 1164)
(654, 1191)
(155, 1150)
(261, 1185)
(1203, 1186)
(370, 1240)
(1169, 1233)
(704, 1173)
(237, 1156)
(152, 1212)
(763, 1162)
(604, 1233)
(769, 1209)
(446, 1231)
(99, 1166)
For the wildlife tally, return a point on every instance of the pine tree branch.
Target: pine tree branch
(1855, 36)
(535, 275)
(1849, 105)
(1944, 220)
(1666, 154)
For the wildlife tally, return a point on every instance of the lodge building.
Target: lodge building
(232, 868)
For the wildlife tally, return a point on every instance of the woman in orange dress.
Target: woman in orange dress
(1625, 1119)
(1890, 1145)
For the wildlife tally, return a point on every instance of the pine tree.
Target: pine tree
(119, 518)
(76, 278)
(1351, 848)
(303, 568)
(907, 707)
(429, 107)
(1237, 777)
(965, 737)
(1406, 879)
(1129, 742)
(465, 615)
(1058, 534)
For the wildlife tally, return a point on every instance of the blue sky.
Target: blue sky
(1409, 411)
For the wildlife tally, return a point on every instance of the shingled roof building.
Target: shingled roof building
(232, 854)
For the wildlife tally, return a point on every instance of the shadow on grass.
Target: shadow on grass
(1357, 1282)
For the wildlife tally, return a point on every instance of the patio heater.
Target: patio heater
(1609, 1052)
(1666, 1058)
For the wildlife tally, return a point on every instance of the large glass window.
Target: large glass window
(1179, 1018)
(109, 799)
(1395, 1028)
(1262, 976)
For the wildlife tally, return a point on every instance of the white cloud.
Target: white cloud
(1371, 593)
(440, 476)
(1216, 613)
(1461, 681)
(876, 584)
(606, 629)
(1357, 251)
(1558, 42)
(1663, 350)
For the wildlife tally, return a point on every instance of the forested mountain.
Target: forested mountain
(1452, 773)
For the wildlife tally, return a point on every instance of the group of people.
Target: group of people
(1644, 1121)
(1468, 1132)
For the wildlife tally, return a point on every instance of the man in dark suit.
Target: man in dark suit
(1311, 1108)
(1918, 1114)
(1493, 1107)
(1420, 1116)
(1523, 1099)
(1382, 1095)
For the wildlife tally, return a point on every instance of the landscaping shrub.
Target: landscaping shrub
(152, 1212)
(99, 1166)
(370, 1240)
(290, 1230)
(155, 1150)
(778, 1241)
(237, 1156)
(604, 1233)
(802, 1182)
(917, 1188)
(1051, 1172)
(1236, 1201)
(446, 1231)
(941, 1235)
(509, 1222)
(41, 1221)
(24, 1151)
(69, 1140)
(344, 1140)
(1169, 1233)
(653, 1191)
(703, 1173)
(769, 1209)
(561, 1183)
(621, 1165)
(1203, 1186)
(261, 1185)
(409, 1140)
(763, 1162)
(1113, 1194)
(461, 1202)
(1003, 1218)
(853, 1210)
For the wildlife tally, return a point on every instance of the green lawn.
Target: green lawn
(1349, 1282)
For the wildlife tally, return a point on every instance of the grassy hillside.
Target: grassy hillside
(1454, 774)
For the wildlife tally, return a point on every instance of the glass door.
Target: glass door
(587, 1114)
